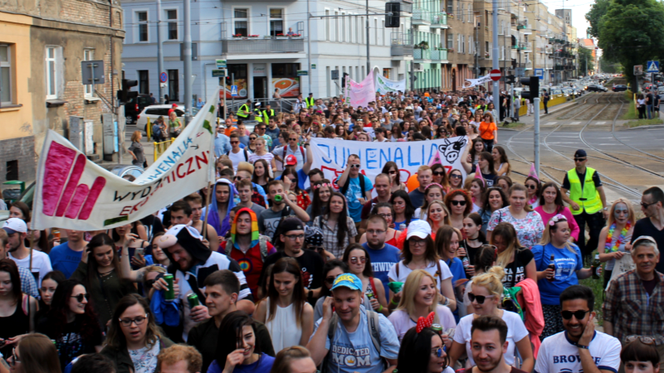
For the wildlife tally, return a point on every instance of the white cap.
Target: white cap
(14, 225)
(170, 238)
(419, 228)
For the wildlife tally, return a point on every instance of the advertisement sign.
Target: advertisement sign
(288, 87)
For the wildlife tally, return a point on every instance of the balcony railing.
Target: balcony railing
(439, 55)
(421, 54)
(439, 20)
(421, 17)
(401, 44)
(257, 46)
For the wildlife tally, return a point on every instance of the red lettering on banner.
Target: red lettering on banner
(177, 171)
(124, 211)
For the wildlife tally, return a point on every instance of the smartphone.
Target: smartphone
(139, 251)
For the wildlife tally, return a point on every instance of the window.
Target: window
(450, 7)
(463, 44)
(336, 26)
(343, 26)
(143, 81)
(470, 12)
(172, 16)
(450, 40)
(6, 81)
(53, 72)
(241, 21)
(142, 18)
(89, 89)
(459, 11)
(327, 24)
(173, 85)
(375, 31)
(276, 22)
(486, 47)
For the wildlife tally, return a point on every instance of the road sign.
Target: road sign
(92, 72)
(302, 73)
(163, 77)
(163, 85)
(220, 73)
(233, 90)
(334, 75)
(540, 73)
(221, 64)
(653, 67)
(638, 69)
(495, 75)
(520, 72)
(313, 66)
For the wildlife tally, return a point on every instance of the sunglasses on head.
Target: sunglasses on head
(458, 203)
(642, 339)
(479, 298)
(580, 314)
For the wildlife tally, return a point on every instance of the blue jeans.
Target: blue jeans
(649, 110)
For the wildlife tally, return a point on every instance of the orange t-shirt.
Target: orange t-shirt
(486, 130)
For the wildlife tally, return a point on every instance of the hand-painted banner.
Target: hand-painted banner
(74, 193)
(384, 85)
(479, 81)
(361, 94)
(331, 155)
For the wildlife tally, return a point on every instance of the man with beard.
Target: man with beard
(579, 348)
(40, 264)
(382, 188)
(383, 256)
(220, 207)
(191, 263)
(282, 206)
(488, 344)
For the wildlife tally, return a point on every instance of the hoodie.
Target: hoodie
(222, 227)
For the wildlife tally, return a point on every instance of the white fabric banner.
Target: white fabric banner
(479, 81)
(361, 94)
(73, 192)
(331, 155)
(384, 85)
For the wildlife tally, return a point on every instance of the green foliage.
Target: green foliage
(610, 67)
(594, 16)
(643, 122)
(585, 57)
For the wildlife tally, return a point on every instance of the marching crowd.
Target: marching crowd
(278, 269)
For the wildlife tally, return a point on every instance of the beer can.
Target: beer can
(193, 300)
(170, 292)
(437, 328)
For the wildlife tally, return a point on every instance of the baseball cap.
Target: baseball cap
(419, 228)
(580, 154)
(170, 238)
(290, 224)
(347, 280)
(291, 160)
(14, 225)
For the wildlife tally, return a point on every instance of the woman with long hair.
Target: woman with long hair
(527, 222)
(456, 179)
(262, 174)
(331, 270)
(439, 176)
(500, 161)
(296, 359)
(48, 286)
(261, 153)
(322, 192)
(158, 257)
(99, 270)
(35, 353)
(392, 170)
(340, 132)
(420, 297)
(403, 209)
(473, 240)
(338, 228)
(494, 199)
(243, 352)
(119, 234)
(136, 150)
(385, 210)
(504, 183)
(485, 296)
(459, 204)
(419, 252)
(71, 322)
(616, 238)
(252, 142)
(359, 263)
(134, 340)
(516, 260)
(567, 270)
(433, 192)
(474, 153)
(551, 204)
(285, 311)
(303, 200)
(17, 310)
(423, 351)
(533, 187)
(437, 215)
(477, 193)
(20, 210)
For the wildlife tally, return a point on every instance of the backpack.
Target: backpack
(344, 188)
(262, 244)
(374, 331)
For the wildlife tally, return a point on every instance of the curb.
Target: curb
(645, 127)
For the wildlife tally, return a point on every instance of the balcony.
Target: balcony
(439, 55)
(260, 46)
(439, 20)
(421, 17)
(421, 54)
(525, 46)
(401, 44)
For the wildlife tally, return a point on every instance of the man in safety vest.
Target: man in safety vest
(586, 199)
(310, 101)
(258, 115)
(267, 114)
(244, 112)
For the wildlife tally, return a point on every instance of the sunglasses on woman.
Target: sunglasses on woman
(479, 298)
(80, 297)
(355, 259)
(458, 203)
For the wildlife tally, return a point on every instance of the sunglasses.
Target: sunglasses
(579, 159)
(438, 352)
(642, 339)
(235, 142)
(455, 176)
(645, 205)
(252, 138)
(329, 280)
(439, 173)
(355, 166)
(479, 298)
(355, 259)
(580, 314)
(458, 203)
(80, 297)
(393, 172)
(15, 359)
(531, 186)
(237, 178)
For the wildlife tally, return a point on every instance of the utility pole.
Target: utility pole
(160, 53)
(496, 62)
(536, 113)
(368, 39)
(187, 61)
(477, 49)
(309, 77)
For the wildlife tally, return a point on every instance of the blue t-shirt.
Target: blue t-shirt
(64, 259)
(355, 352)
(382, 260)
(264, 364)
(353, 194)
(567, 263)
(302, 179)
(456, 267)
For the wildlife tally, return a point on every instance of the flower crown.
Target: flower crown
(556, 219)
(318, 186)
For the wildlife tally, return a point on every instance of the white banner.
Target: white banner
(330, 155)
(384, 85)
(362, 93)
(479, 81)
(73, 192)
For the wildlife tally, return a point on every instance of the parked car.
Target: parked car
(155, 111)
(134, 106)
(596, 88)
(619, 88)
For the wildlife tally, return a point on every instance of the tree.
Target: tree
(594, 16)
(585, 61)
(632, 32)
(609, 67)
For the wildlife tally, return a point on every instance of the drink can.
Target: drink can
(369, 293)
(193, 300)
(466, 262)
(170, 292)
(437, 328)
(402, 227)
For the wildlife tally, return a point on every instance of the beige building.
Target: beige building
(460, 41)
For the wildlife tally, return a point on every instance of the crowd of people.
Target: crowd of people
(278, 269)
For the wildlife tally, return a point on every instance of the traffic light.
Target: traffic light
(343, 80)
(123, 94)
(510, 79)
(533, 83)
(392, 20)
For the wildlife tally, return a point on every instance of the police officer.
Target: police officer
(310, 101)
(258, 114)
(586, 199)
(245, 110)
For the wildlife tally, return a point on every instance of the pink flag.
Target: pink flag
(435, 159)
(361, 94)
(532, 172)
(478, 174)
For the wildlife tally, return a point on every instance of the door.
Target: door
(260, 87)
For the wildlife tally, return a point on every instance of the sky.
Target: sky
(579, 10)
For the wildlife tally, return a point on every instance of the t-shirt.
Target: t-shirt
(515, 272)
(516, 331)
(354, 193)
(566, 262)
(64, 259)
(382, 260)
(236, 158)
(416, 198)
(268, 220)
(559, 354)
(145, 359)
(403, 322)
(439, 271)
(255, 207)
(470, 370)
(41, 264)
(311, 265)
(250, 262)
(528, 230)
(263, 364)
(69, 342)
(456, 267)
(355, 352)
(644, 227)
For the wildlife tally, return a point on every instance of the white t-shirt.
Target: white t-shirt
(402, 321)
(404, 271)
(41, 264)
(559, 354)
(516, 331)
(238, 157)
